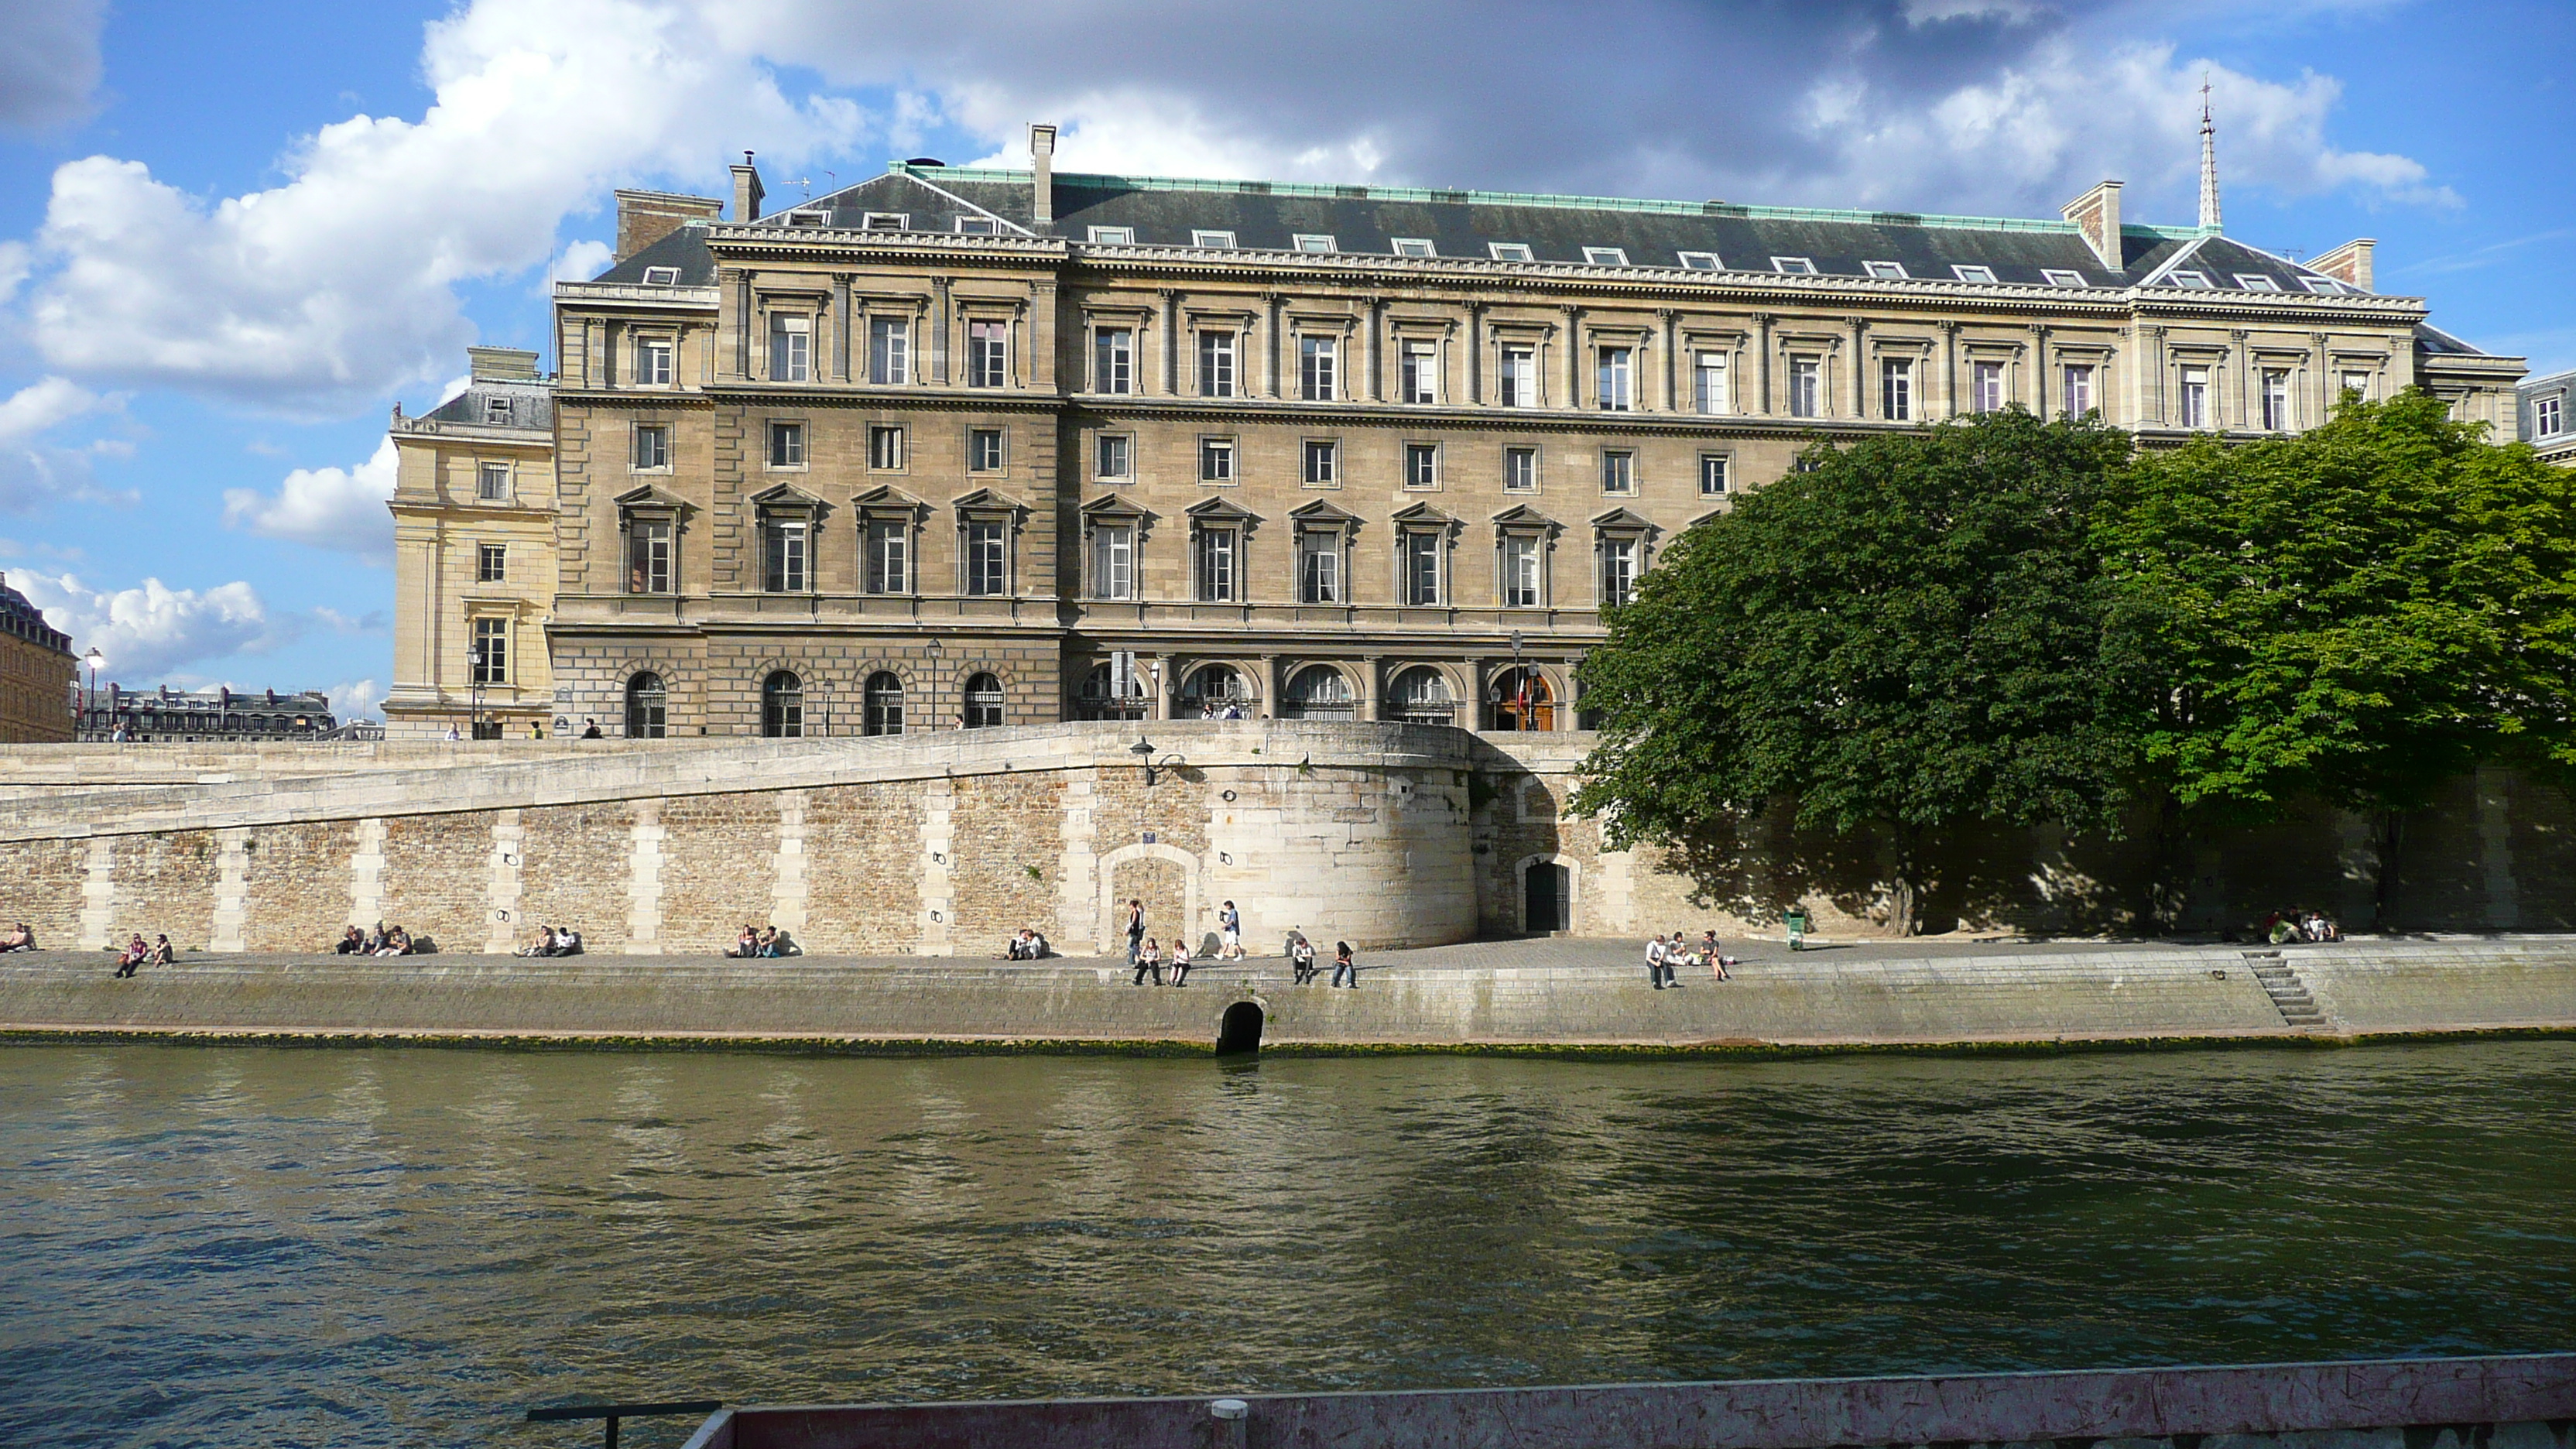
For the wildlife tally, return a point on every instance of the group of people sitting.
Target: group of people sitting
(382, 941)
(18, 939)
(1028, 945)
(2287, 926)
(1149, 961)
(554, 941)
(1301, 962)
(767, 941)
(1666, 955)
(137, 955)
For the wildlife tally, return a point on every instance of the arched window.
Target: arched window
(782, 706)
(644, 707)
(1522, 701)
(883, 699)
(1318, 691)
(1216, 691)
(983, 701)
(1421, 696)
(1099, 699)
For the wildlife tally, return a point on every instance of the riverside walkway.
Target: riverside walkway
(1525, 994)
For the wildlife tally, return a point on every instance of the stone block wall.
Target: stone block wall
(44, 879)
(298, 885)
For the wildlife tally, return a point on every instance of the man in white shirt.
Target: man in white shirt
(1655, 967)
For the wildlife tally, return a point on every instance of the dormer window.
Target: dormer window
(1414, 246)
(1973, 274)
(886, 221)
(978, 226)
(2256, 282)
(1884, 269)
(1799, 266)
(2057, 278)
(1605, 256)
(661, 276)
(809, 218)
(2191, 279)
(1113, 236)
(1510, 251)
(496, 410)
(1313, 242)
(1211, 238)
(1701, 262)
(2325, 285)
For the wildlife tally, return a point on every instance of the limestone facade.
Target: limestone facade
(37, 673)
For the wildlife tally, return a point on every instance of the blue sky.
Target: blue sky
(232, 236)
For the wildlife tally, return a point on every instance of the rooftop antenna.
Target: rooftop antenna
(2208, 161)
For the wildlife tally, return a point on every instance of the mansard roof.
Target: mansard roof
(684, 249)
(531, 404)
(1465, 225)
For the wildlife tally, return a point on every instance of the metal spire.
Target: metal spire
(2208, 161)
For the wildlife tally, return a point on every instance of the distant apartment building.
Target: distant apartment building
(37, 673)
(167, 716)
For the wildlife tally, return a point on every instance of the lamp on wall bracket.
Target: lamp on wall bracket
(1143, 750)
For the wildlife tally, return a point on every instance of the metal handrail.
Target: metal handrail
(614, 1412)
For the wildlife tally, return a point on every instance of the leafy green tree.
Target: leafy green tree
(2355, 615)
(1906, 637)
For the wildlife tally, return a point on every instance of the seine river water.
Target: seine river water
(206, 1245)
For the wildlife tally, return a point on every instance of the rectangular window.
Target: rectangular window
(988, 354)
(1973, 274)
(1701, 262)
(648, 556)
(1709, 385)
(889, 351)
(787, 445)
(2326, 285)
(1421, 465)
(491, 658)
(1618, 471)
(2195, 280)
(1520, 470)
(1806, 387)
(2276, 399)
(987, 558)
(492, 483)
(661, 276)
(1319, 568)
(984, 450)
(2256, 282)
(1421, 568)
(1115, 236)
(1216, 364)
(1510, 251)
(2546, 416)
(1211, 238)
(1799, 266)
(2079, 391)
(791, 347)
(1521, 579)
(496, 410)
(1215, 565)
(490, 560)
(2195, 397)
(653, 362)
(1519, 378)
(889, 556)
(1896, 389)
(1315, 359)
(1310, 242)
(1323, 461)
(2057, 278)
(1986, 387)
(1216, 460)
(1113, 561)
(1113, 456)
(1113, 360)
(1618, 571)
(885, 447)
(783, 556)
(978, 226)
(1605, 256)
(1616, 376)
(1712, 475)
(1889, 270)
(2357, 382)
(1414, 246)
(652, 447)
(1419, 369)
(885, 221)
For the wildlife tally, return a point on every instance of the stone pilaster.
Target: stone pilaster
(232, 890)
(938, 850)
(1078, 872)
(98, 893)
(502, 894)
(787, 879)
(644, 880)
(367, 874)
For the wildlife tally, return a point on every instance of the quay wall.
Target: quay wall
(941, 844)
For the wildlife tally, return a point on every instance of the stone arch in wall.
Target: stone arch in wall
(953, 701)
(1399, 703)
(1308, 690)
(678, 687)
(1546, 877)
(1166, 878)
(1191, 687)
(1555, 713)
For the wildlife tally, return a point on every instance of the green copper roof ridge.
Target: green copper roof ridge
(1429, 195)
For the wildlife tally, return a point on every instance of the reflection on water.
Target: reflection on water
(203, 1245)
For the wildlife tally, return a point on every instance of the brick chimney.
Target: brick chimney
(2097, 215)
(2349, 263)
(645, 217)
(501, 364)
(746, 192)
(1042, 176)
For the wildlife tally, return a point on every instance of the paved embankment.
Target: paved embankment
(1542, 994)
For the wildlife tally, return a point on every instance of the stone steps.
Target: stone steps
(2290, 994)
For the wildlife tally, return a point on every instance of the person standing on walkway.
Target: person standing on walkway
(1343, 965)
(1229, 925)
(1656, 966)
(1135, 929)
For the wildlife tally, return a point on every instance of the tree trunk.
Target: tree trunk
(2383, 888)
(2160, 902)
(1906, 883)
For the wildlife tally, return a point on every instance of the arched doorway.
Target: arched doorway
(1547, 898)
(1522, 701)
(983, 701)
(782, 706)
(1096, 700)
(1318, 691)
(646, 707)
(1238, 1032)
(1216, 691)
(1421, 696)
(881, 703)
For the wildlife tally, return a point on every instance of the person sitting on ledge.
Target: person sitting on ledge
(1149, 957)
(135, 954)
(163, 953)
(396, 942)
(765, 945)
(567, 941)
(352, 942)
(1301, 957)
(746, 944)
(18, 939)
(543, 945)
(1180, 961)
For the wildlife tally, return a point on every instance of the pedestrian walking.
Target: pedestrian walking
(1229, 925)
(1135, 929)
(1343, 965)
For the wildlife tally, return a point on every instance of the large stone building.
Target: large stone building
(2547, 423)
(37, 673)
(200, 716)
(958, 446)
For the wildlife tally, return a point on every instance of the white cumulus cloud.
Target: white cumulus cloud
(34, 470)
(341, 509)
(49, 63)
(147, 631)
(357, 699)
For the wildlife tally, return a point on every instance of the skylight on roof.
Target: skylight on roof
(886, 221)
(1414, 246)
(661, 276)
(2256, 282)
(2190, 279)
(1211, 238)
(809, 218)
(1606, 256)
(2327, 285)
(2056, 278)
(1313, 242)
(1798, 265)
(1114, 236)
(1702, 262)
(1966, 273)
(1510, 251)
(1884, 269)
(978, 226)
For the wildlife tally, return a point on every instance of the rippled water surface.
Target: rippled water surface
(236, 1245)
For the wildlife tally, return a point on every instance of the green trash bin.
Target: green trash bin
(1796, 920)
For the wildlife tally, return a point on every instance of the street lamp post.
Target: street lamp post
(474, 682)
(90, 701)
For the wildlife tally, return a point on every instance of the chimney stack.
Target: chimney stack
(501, 364)
(746, 192)
(2349, 263)
(645, 217)
(1042, 175)
(2096, 214)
